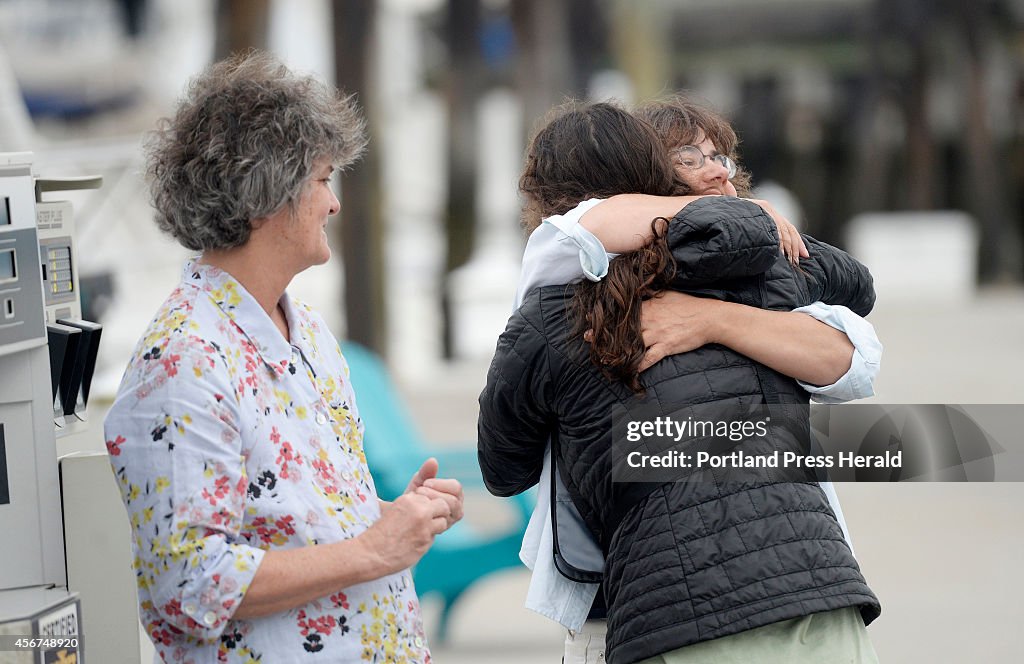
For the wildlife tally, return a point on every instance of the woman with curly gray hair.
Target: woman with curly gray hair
(235, 436)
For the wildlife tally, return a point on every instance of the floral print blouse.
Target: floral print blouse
(228, 441)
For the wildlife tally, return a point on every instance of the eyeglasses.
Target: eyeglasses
(690, 156)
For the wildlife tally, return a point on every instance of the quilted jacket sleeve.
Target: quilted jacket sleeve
(835, 277)
(515, 418)
(721, 237)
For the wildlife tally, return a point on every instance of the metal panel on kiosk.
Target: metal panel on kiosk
(56, 229)
(47, 357)
(31, 516)
(34, 599)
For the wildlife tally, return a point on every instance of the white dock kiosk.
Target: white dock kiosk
(47, 356)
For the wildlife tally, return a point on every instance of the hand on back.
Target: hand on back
(792, 245)
(675, 322)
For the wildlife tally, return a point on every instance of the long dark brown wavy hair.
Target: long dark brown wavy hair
(598, 151)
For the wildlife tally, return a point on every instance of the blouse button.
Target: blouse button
(210, 618)
(321, 418)
(190, 609)
(418, 641)
(347, 476)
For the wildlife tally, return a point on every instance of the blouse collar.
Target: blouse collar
(245, 312)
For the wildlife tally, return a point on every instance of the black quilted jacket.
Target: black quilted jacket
(685, 561)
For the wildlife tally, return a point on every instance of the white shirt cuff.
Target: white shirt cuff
(858, 381)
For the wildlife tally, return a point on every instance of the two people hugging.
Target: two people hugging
(646, 280)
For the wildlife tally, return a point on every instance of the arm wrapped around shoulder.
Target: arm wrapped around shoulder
(721, 237)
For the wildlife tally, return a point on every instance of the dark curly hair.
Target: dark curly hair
(591, 151)
(242, 144)
(598, 151)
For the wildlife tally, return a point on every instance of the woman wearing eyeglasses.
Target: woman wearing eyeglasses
(835, 359)
(701, 143)
(624, 224)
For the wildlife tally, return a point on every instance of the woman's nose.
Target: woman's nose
(335, 205)
(716, 171)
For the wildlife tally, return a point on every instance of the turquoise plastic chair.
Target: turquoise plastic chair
(394, 452)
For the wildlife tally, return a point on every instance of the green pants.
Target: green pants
(835, 637)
